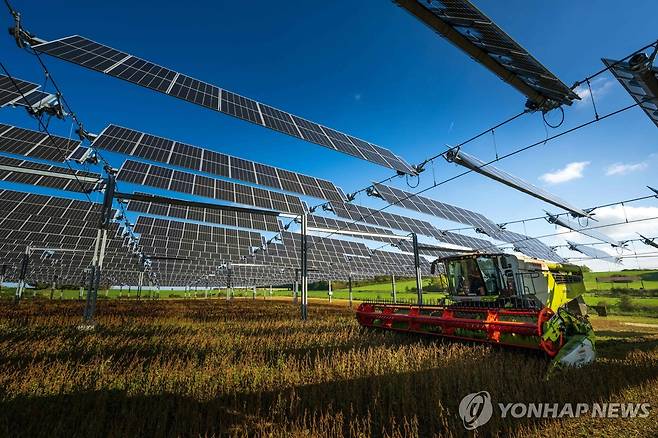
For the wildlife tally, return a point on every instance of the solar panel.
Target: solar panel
(30, 203)
(35, 144)
(220, 217)
(635, 76)
(90, 54)
(476, 165)
(430, 250)
(435, 208)
(162, 236)
(577, 227)
(590, 251)
(529, 246)
(472, 31)
(8, 92)
(356, 229)
(137, 144)
(46, 175)
(160, 177)
(403, 223)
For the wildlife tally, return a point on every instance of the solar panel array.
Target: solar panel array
(190, 231)
(45, 180)
(529, 246)
(95, 56)
(636, 86)
(9, 91)
(28, 96)
(524, 244)
(398, 222)
(162, 237)
(356, 229)
(19, 202)
(35, 144)
(199, 185)
(57, 223)
(138, 144)
(582, 229)
(473, 32)
(430, 250)
(479, 166)
(435, 208)
(589, 251)
(341, 256)
(221, 217)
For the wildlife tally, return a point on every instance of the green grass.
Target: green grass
(649, 280)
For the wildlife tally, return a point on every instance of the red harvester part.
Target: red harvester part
(501, 326)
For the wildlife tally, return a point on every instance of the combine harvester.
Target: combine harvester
(501, 299)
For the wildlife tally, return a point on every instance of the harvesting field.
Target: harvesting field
(245, 368)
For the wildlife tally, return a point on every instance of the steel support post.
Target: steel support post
(140, 283)
(229, 287)
(105, 218)
(394, 292)
(3, 271)
(25, 261)
(419, 278)
(349, 283)
(304, 265)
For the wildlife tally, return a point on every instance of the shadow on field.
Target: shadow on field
(419, 403)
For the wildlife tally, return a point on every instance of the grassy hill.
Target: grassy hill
(648, 280)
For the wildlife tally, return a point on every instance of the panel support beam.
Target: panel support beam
(304, 265)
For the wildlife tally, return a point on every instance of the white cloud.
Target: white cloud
(569, 172)
(357, 96)
(600, 87)
(624, 168)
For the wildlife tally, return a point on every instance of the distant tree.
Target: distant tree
(586, 268)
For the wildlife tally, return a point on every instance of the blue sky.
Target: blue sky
(369, 69)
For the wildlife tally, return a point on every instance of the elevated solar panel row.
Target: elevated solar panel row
(24, 176)
(175, 180)
(590, 251)
(524, 244)
(403, 223)
(435, 208)
(463, 24)
(191, 231)
(95, 56)
(35, 144)
(631, 78)
(42, 205)
(137, 144)
(9, 91)
(358, 230)
(220, 217)
(476, 165)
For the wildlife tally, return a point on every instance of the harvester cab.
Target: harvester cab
(502, 299)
